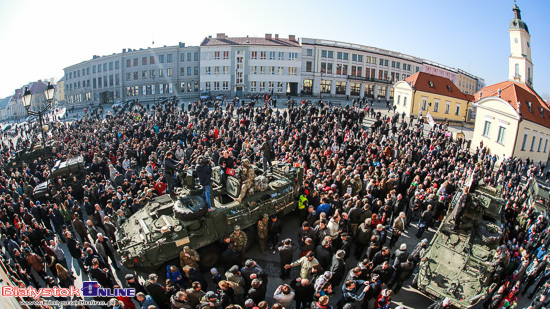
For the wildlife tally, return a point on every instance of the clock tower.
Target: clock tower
(521, 66)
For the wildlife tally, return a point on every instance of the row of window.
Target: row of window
(359, 58)
(161, 89)
(161, 73)
(87, 96)
(224, 85)
(533, 140)
(264, 55)
(342, 69)
(107, 66)
(501, 137)
(271, 70)
(161, 59)
(99, 82)
(115, 65)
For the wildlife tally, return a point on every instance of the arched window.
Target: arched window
(517, 69)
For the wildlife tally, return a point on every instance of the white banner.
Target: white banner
(430, 119)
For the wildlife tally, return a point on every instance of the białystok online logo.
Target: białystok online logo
(89, 289)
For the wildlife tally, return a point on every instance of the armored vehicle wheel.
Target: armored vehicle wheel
(489, 233)
(190, 208)
(210, 256)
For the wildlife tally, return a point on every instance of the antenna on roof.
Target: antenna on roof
(153, 39)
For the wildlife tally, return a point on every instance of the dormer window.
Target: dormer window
(541, 112)
(530, 106)
(431, 84)
(449, 88)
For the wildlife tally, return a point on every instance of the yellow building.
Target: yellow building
(422, 93)
(512, 120)
(60, 90)
(466, 82)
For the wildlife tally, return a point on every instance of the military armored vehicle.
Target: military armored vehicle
(27, 156)
(158, 232)
(455, 264)
(74, 167)
(537, 195)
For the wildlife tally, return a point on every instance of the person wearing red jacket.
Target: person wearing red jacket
(384, 299)
(160, 187)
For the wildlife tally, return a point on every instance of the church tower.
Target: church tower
(521, 66)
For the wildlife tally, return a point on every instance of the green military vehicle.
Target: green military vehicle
(28, 156)
(157, 233)
(66, 171)
(537, 195)
(456, 264)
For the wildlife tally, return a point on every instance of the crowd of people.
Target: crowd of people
(363, 188)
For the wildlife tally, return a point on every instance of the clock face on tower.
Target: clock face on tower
(515, 40)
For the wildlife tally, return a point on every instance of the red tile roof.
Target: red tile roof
(436, 85)
(513, 93)
(249, 41)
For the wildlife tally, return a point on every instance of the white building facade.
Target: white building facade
(245, 65)
(233, 66)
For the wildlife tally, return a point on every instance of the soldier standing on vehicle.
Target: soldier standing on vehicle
(170, 167)
(239, 238)
(247, 179)
(263, 232)
(461, 207)
(204, 173)
(267, 151)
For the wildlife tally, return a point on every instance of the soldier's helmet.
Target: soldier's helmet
(237, 228)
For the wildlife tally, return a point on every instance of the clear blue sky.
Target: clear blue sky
(40, 38)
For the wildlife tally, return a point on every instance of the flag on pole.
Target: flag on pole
(430, 119)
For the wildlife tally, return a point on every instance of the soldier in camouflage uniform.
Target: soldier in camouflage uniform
(239, 238)
(189, 257)
(262, 232)
(247, 179)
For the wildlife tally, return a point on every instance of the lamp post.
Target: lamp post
(321, 86)
(27, 96)
(153, 89)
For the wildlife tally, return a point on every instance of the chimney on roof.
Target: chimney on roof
(292, 37)
(276, 36)
(499, 92)
(480, 95)
(268, 36)
(518, 109)
(220, 36)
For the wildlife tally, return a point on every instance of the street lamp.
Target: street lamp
(153, 86)
(321, 86)
(27, 96)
